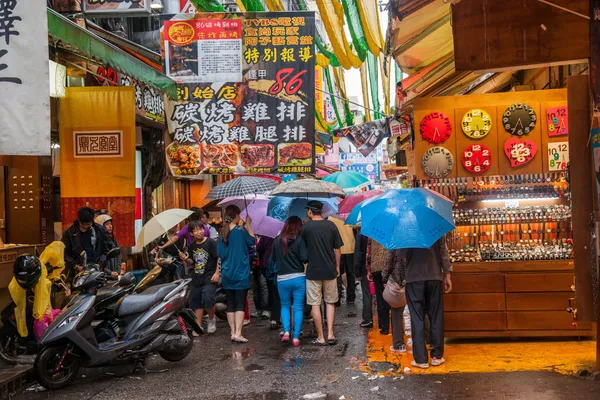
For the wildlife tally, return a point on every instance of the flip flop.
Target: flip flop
(285, 338)
(239, 341)
(320, 344)
(332, 342)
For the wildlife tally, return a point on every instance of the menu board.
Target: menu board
(263, 124)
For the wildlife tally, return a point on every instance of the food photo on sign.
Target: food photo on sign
(255, 116)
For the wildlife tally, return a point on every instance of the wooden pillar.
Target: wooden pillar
(582, 187)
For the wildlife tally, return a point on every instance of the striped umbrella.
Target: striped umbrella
(242, 186)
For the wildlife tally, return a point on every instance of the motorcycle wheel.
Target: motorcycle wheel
(47, 362)
(176, 357)
(9, 349)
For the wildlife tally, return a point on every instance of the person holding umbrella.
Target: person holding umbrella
(232, 247)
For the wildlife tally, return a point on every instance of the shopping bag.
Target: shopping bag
(394, 295)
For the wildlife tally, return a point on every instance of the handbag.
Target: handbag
(394, 295)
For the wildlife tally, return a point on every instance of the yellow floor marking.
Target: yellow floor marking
(490, 355)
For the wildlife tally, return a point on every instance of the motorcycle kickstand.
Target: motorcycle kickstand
(141, 366)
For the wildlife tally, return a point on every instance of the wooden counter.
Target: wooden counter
(511, 299)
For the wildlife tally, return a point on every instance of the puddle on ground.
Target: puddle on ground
(289, 365)
(254, 367)
(239, 355)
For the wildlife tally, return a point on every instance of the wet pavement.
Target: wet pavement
(265, 369)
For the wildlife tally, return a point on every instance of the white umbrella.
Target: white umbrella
(159, 225)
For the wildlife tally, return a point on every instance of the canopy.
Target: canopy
(82, 41)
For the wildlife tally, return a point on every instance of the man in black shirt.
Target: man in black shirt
(202, 256)
(323, 241)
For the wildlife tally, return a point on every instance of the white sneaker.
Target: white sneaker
(436, 362)
(212, 325)
(422, 366)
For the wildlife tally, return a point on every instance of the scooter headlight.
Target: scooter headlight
(70, 319)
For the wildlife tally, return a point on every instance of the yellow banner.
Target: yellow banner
(97, 155)
(318, 93)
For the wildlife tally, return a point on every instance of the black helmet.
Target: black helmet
(27, 270)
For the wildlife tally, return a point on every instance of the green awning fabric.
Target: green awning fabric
(81, 40)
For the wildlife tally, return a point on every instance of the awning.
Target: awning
(82, 41)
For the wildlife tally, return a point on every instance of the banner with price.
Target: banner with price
(264, 123)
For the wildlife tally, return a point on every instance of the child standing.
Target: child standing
(202, 256)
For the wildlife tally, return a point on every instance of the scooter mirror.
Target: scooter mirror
(127, 279)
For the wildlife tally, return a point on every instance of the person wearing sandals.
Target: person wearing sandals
(235, 268)
(323, 241)
(427, 279)
(287, 259)
(395, 271)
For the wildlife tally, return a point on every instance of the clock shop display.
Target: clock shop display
(476, 123)
(519, 119)
(511, 224)
(477, 158)
(437, 162)
(436, 128)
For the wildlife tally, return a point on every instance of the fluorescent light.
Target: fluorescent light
(525, 198)
(156, 4)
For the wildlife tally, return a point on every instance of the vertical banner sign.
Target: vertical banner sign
(264, 123)
(595, 50)
(98, 157)
(319, 106)
(24, 82)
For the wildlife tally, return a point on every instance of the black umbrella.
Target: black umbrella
(242, 186)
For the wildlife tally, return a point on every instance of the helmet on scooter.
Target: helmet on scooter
(27, 270)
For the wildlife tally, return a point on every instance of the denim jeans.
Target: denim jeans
(292, 289)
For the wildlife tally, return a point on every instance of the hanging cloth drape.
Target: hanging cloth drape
(364, 78)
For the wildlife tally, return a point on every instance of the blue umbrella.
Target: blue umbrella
(407, 218)
(355, 216)
(350, 181)
(282, 208)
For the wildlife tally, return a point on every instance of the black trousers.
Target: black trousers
(274, 301)
(367, 300)
(383, 308)
(347, 267)
(426, 297)
(236, 300)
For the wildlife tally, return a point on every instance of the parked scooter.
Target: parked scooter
(152, 321)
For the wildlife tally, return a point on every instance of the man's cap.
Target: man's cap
(314, 205)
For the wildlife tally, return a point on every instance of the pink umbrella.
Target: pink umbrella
(346, 205)
(242, 201)
(261, 223)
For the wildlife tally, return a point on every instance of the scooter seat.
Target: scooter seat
(136, 303)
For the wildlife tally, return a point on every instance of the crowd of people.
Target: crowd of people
(302, 272)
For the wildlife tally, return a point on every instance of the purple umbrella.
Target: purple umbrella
(261, 224)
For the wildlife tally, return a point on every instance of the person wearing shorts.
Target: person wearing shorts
(202, 257)
(323, 241)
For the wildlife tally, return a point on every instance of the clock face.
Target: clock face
(476, 124)
(436, 127)
(477, 158)
(437, 162)
(519, 119)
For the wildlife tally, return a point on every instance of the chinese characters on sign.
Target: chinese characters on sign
(204, 50)
(24, 78)
(116, 6)
(264, 124)
(98, 144)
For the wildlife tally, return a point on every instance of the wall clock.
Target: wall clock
(519, 152)
(436, 127)
(476, 123)
(477, 158)
(437, 162)
(519, 119)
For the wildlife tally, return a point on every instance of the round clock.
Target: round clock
(476, 124)
(437, 162)
(436, 127)
(477, 158)
(519, 119)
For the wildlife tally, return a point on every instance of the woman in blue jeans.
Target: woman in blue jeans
(288, 257)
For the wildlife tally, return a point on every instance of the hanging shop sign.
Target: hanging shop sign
(24, 78)
(366, 137)
(357, 162)
(264, 124)
(437, 162)
(149, 102)
(477, 158)
(558, 121)
(436, 127)
(207, 50)
(117, 6)
(476, 124)
(595, 50)
(519, 119)
(520, 152)
(400, 127)
(558, 156)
